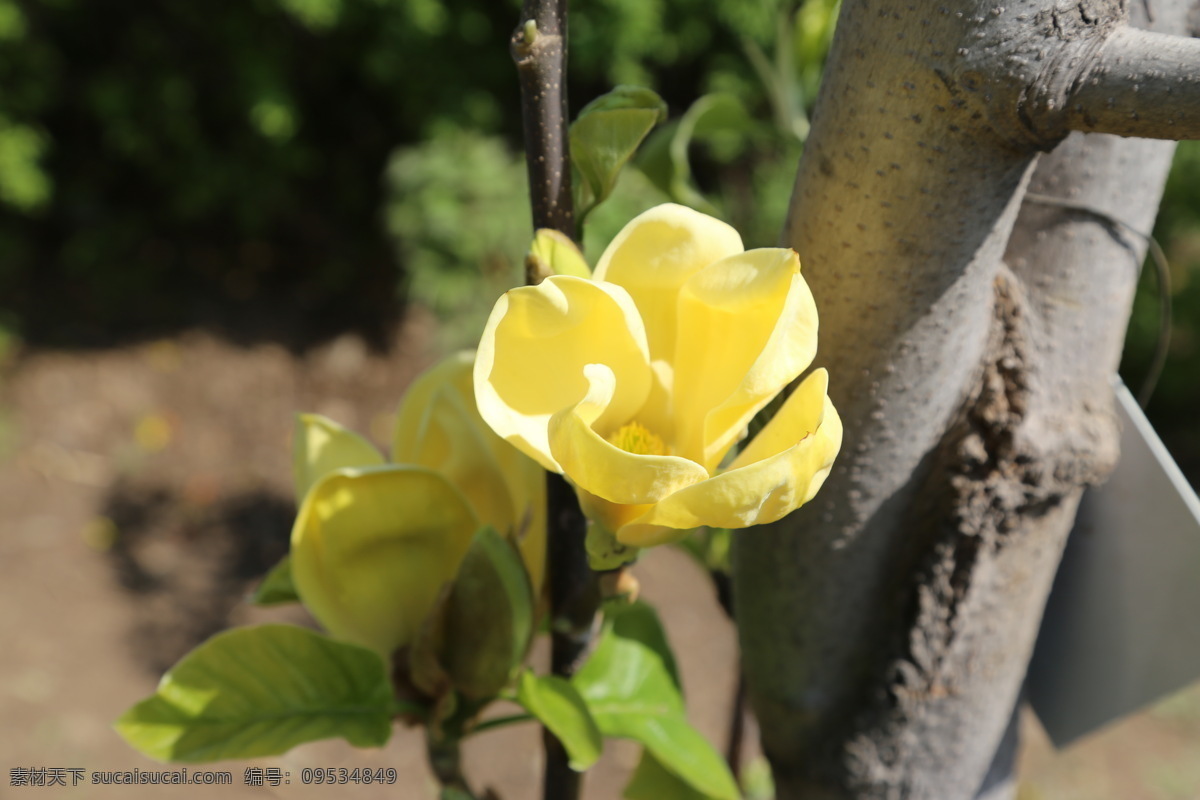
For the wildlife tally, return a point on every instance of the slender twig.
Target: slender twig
(723, 583)
(574, 600)
(445, 759)
(539, 47)
(501, 722)
(737, 726)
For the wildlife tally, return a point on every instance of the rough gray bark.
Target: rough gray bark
(887, 626)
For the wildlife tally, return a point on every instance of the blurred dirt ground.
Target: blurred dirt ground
(145, 489)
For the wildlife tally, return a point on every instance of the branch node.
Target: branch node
(529, 33)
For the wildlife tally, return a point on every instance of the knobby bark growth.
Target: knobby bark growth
(971, 342)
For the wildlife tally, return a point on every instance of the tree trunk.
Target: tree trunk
(971, 342)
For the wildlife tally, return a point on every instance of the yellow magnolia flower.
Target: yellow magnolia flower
(636, 384)
(373, 543)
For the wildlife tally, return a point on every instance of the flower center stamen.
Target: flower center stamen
(636, 438)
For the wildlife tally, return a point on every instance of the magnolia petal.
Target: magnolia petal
(800, 415)
(535, 346)
(757, 493)
(438, 426)
(603, 469)
(451, 371)
(609, 516)
(747, 327)
(652, 258)
(320, 446)
(372, 547)
(526, 481)
(529, 528)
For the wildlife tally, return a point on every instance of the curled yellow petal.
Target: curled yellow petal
(320, 446)
(372, 547)
(747, 327)
(765, 483)
(602, 468)
(802, 413)
(535, 346)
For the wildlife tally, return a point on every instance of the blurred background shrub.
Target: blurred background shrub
(290, 169)
(225, 163)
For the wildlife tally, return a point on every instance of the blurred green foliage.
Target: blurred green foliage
(458, 212)
(165, 164)
(730, 150)
(290, 168)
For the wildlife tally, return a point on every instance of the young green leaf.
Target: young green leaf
(489, 617)
(652, 781)
(665, 159)
(553, 253)
(605, 136)
(277, 586)
(260, 691)
(673, 742)
(757, 781)
(632, 692)
(710, 547)
(557, 704)
(639, 622)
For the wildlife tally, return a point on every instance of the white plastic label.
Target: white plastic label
(1122, 626)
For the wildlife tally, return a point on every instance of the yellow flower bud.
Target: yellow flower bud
(373, 544)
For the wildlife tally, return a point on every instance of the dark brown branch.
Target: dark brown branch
(737, 726)
(445, 759)
(539, 47)
(574, 600)
(1143, 84)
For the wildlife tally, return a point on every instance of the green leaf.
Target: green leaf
(640, 623)
(260, 691)
(665, 160)
(557, 704)
(652, 781)
(489, 617)
(624, 669)
(320, 446)
(605, 136)
(677, 746)
(710, 547)
(277, 586)
(632, 691)
(555, 254)
(757, 781)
